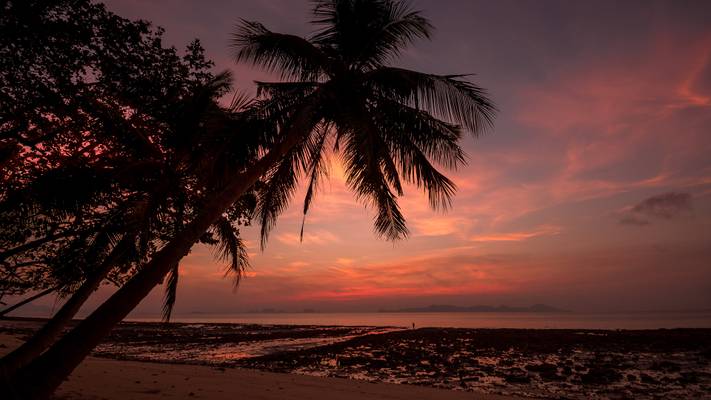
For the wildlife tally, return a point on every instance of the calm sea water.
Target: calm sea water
(639, 320)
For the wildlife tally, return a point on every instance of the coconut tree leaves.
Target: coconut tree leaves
(387, 125)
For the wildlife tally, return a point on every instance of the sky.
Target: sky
(591, 193)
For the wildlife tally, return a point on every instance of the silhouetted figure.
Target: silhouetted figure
(413, 325)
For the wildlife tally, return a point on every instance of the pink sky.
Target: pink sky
(602, 106)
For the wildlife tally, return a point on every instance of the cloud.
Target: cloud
(580, 131)
(664, 206)
(320, 237)
(633, 220)
(687, 91)
(432, 225)
(409, 277)
(518, 236)
(667, 205)
(297, 264)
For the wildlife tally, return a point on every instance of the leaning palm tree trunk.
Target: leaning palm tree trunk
(27, 300)
(42, 376)
(49, 333)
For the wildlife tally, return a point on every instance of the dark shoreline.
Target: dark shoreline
(154, 320)
(553, 363)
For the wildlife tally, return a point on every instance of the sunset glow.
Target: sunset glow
(609, 109)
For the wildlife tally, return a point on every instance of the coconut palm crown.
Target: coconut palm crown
(388, 125)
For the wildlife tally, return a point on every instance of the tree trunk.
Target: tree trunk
(27, 300)
(47, 335)
(39, 379)
(5, 254)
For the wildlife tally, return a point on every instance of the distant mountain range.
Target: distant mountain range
(279, 311)
(536, 308)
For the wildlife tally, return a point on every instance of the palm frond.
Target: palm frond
(316, 170)
(390, 125)
(214, 87)
(368, 32)
(285, 90)
(240, 101)
(415, 137)
(277, 191)
(370, 174)
(196, 114)
(231, 248)
(289, 55)
(171, 292)
(448, 97)
(399, 27)
(271, 113)
(437, 139)
(417, 169)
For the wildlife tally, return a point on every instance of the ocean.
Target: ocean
(558, 320)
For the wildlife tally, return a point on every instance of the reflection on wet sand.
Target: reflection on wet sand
(562, 363)
(221, 343)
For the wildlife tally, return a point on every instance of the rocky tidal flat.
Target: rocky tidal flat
(564, 364)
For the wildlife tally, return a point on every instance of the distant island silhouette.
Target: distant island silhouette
(536, 308)
(280, 311)
(434, 308)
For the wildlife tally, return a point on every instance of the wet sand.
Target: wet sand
(545, 363)
(99, 378)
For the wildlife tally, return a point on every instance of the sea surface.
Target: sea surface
(558, 320)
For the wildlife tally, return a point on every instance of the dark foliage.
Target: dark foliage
(389, 126)
(109, 140)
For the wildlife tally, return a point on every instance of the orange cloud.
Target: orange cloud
(355, 293)
(345, 261)
(440, 225)
(517, 236)
(320, 237)
(583, 131)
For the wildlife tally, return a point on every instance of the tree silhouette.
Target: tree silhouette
(388, 125)
(101, 131)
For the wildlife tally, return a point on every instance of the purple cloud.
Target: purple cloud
(664, 206)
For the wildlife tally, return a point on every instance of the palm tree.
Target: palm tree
(30, 299)
(125, 235)
(387, 124)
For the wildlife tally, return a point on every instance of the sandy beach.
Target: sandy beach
(99, 378)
